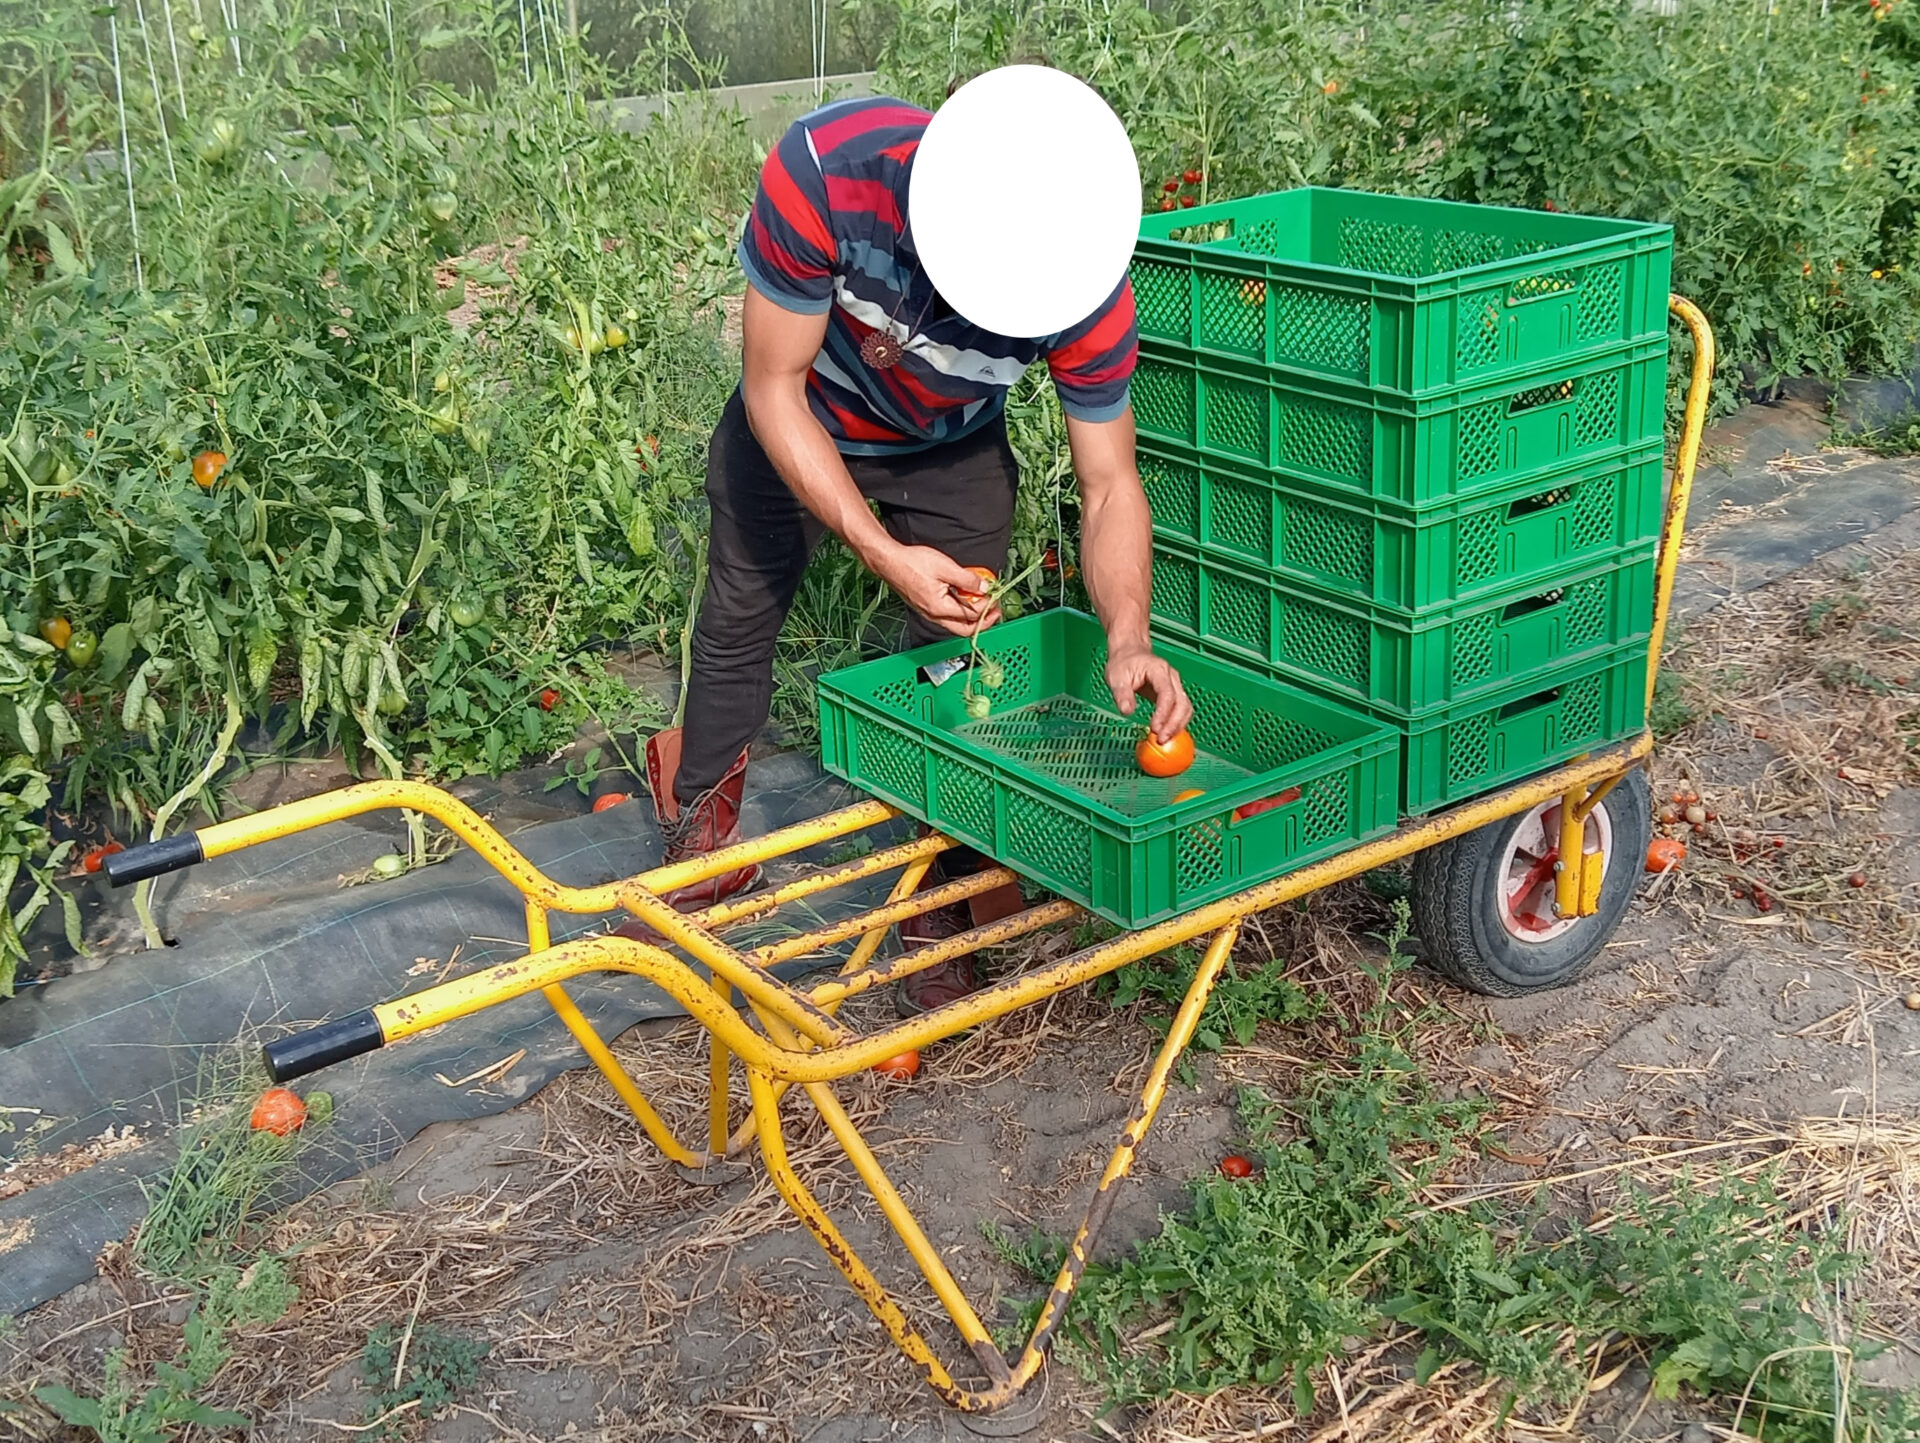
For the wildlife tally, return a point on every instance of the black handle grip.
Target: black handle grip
(322, 1046)
(152, 859)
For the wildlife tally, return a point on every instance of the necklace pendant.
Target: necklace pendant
(882, 350)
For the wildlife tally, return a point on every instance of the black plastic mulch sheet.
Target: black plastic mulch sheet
(268, 940)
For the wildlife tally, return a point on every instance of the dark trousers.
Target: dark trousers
(957, 498)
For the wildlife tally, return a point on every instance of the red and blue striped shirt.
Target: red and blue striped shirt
(829, 233)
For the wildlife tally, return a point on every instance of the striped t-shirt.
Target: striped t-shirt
(829, 232)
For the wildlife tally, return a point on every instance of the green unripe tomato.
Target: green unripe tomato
(465, 611)
(81, 648)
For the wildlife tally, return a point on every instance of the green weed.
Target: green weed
(1672, 711)
(225, 1172)
(437, 1367)
(1264, 1280)
(1241, 999)
(124, 1411)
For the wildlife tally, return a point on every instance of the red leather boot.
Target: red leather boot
(956, 977)
(708, 823)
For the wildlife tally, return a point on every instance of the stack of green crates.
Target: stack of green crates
(1407, 454)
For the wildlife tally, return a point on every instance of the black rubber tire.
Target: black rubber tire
(1456, 902)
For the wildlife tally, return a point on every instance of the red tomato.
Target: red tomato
(976, 597)
(612, 799)
(1167, 204)
(1192, 177)
(1187, 201)
(1234, 1165)
(1171, 186)
(92, 860)
(549, 699)
(1665, 853)
(900, 1068)
(279, 1111)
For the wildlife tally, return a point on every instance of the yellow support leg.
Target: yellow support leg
(539, 939)
(1570, 864)
(904, 886)
(773, 1148)
(1152, 1093)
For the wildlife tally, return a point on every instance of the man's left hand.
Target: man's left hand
(1135, 671)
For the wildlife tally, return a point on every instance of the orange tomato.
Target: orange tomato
(611, 799)
(279, 1111)
(900, 1068)
(1664, 854)
(1188, 795)
(207, 467)
(58, 631)
(985, 576)
(1164, 759)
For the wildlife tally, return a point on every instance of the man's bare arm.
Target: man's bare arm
(1116, 552)
(780, 346)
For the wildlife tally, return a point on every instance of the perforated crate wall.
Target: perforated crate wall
(1407, 451)
(1045, 783)
(1398, 293)
(1392, 663)
(1395, 556)
(1463, 752)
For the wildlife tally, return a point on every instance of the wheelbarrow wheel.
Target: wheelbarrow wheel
(1483, 902)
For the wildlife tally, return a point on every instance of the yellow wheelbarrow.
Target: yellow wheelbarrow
(1517, 889)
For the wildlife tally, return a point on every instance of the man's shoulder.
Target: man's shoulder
(847, 135)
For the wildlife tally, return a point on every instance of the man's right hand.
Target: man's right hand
(936, 586)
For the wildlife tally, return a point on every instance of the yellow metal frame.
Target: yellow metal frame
(785, 1035)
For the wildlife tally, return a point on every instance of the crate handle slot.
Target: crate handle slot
(1529, 703)
(1202, 233)
(1543, 285)
(1526, 606)
(1550, 395)
(1545, 501)
(939, 673)
(1266, 804)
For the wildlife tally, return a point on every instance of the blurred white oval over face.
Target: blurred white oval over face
(1024, 202)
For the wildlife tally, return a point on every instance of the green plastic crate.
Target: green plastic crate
(1375, 551)
(1047, 783)
(1397, 293)
(1465, 751)
(1415, 451)
(1390, 663)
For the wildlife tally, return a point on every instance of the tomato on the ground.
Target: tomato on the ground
(97, 856)
(611, 799)
(1234, 1165)
(1665, 853)
(549, 699)
(900, 1068)
(279, 1111)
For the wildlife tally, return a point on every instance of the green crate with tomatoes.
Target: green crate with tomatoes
(1016, 748)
